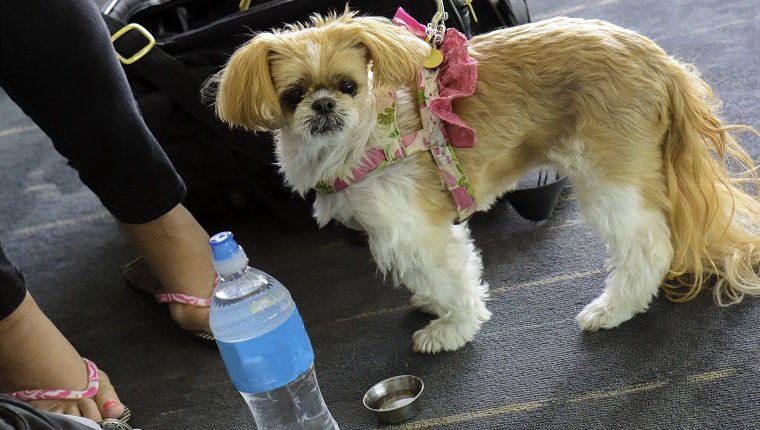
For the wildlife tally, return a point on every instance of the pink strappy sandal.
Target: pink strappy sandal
(93, 384)
(138, 275)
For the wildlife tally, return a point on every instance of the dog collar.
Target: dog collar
(436, 90)
(380, 157)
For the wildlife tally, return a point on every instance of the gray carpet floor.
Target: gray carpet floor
(690, 366)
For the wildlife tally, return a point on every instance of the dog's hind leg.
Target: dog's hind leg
(442, 268)
(640, 252)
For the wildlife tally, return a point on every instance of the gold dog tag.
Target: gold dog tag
(434, 59)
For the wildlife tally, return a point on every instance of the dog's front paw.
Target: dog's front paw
(423, 304)
(444, 335)
(602, 314)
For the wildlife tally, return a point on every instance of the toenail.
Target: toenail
(110, 404)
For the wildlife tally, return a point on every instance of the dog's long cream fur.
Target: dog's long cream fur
(635, 129)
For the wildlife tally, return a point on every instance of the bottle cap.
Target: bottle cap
(227, 255)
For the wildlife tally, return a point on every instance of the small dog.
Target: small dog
(654, 169)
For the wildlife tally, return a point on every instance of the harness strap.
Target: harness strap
(458, 73)
(449, 168)
(432, 138)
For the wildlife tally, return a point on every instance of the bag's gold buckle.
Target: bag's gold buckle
(139, 54)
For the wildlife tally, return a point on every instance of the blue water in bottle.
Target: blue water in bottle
(264, 344)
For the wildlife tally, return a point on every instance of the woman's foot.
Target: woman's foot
(35, 355)
(176, 249)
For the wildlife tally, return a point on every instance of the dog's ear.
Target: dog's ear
(396, 53)
(245, 94)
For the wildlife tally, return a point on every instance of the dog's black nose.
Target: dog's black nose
(324, 105)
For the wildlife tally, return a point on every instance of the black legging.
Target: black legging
(58, 64)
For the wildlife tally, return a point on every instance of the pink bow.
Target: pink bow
(456, 78)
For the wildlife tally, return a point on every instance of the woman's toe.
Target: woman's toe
(107, 401)
(88, 409)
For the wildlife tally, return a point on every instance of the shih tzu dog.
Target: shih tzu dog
(405, 144)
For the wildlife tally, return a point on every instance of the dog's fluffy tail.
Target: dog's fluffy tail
(711, 185)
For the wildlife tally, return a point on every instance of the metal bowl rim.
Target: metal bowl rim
(384, 381)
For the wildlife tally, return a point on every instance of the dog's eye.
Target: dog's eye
(348, 86)
(293, 97)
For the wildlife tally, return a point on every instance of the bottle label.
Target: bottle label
(271, 360)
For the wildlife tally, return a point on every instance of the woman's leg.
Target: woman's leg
(58, 64)
(176, 248)
(35, 355)
(12, 287)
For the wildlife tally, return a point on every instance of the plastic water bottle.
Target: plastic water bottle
(264, 344)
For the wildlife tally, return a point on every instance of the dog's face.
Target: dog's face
(316, 81)
(322, 85)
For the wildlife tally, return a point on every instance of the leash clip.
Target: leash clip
(437, 29)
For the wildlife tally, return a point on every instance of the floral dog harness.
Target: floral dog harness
(442, 128)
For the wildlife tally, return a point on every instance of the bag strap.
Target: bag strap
(162, 70)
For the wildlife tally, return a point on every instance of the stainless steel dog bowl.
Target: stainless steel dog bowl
(395, 399)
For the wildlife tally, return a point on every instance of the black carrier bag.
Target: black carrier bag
(178, 44)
